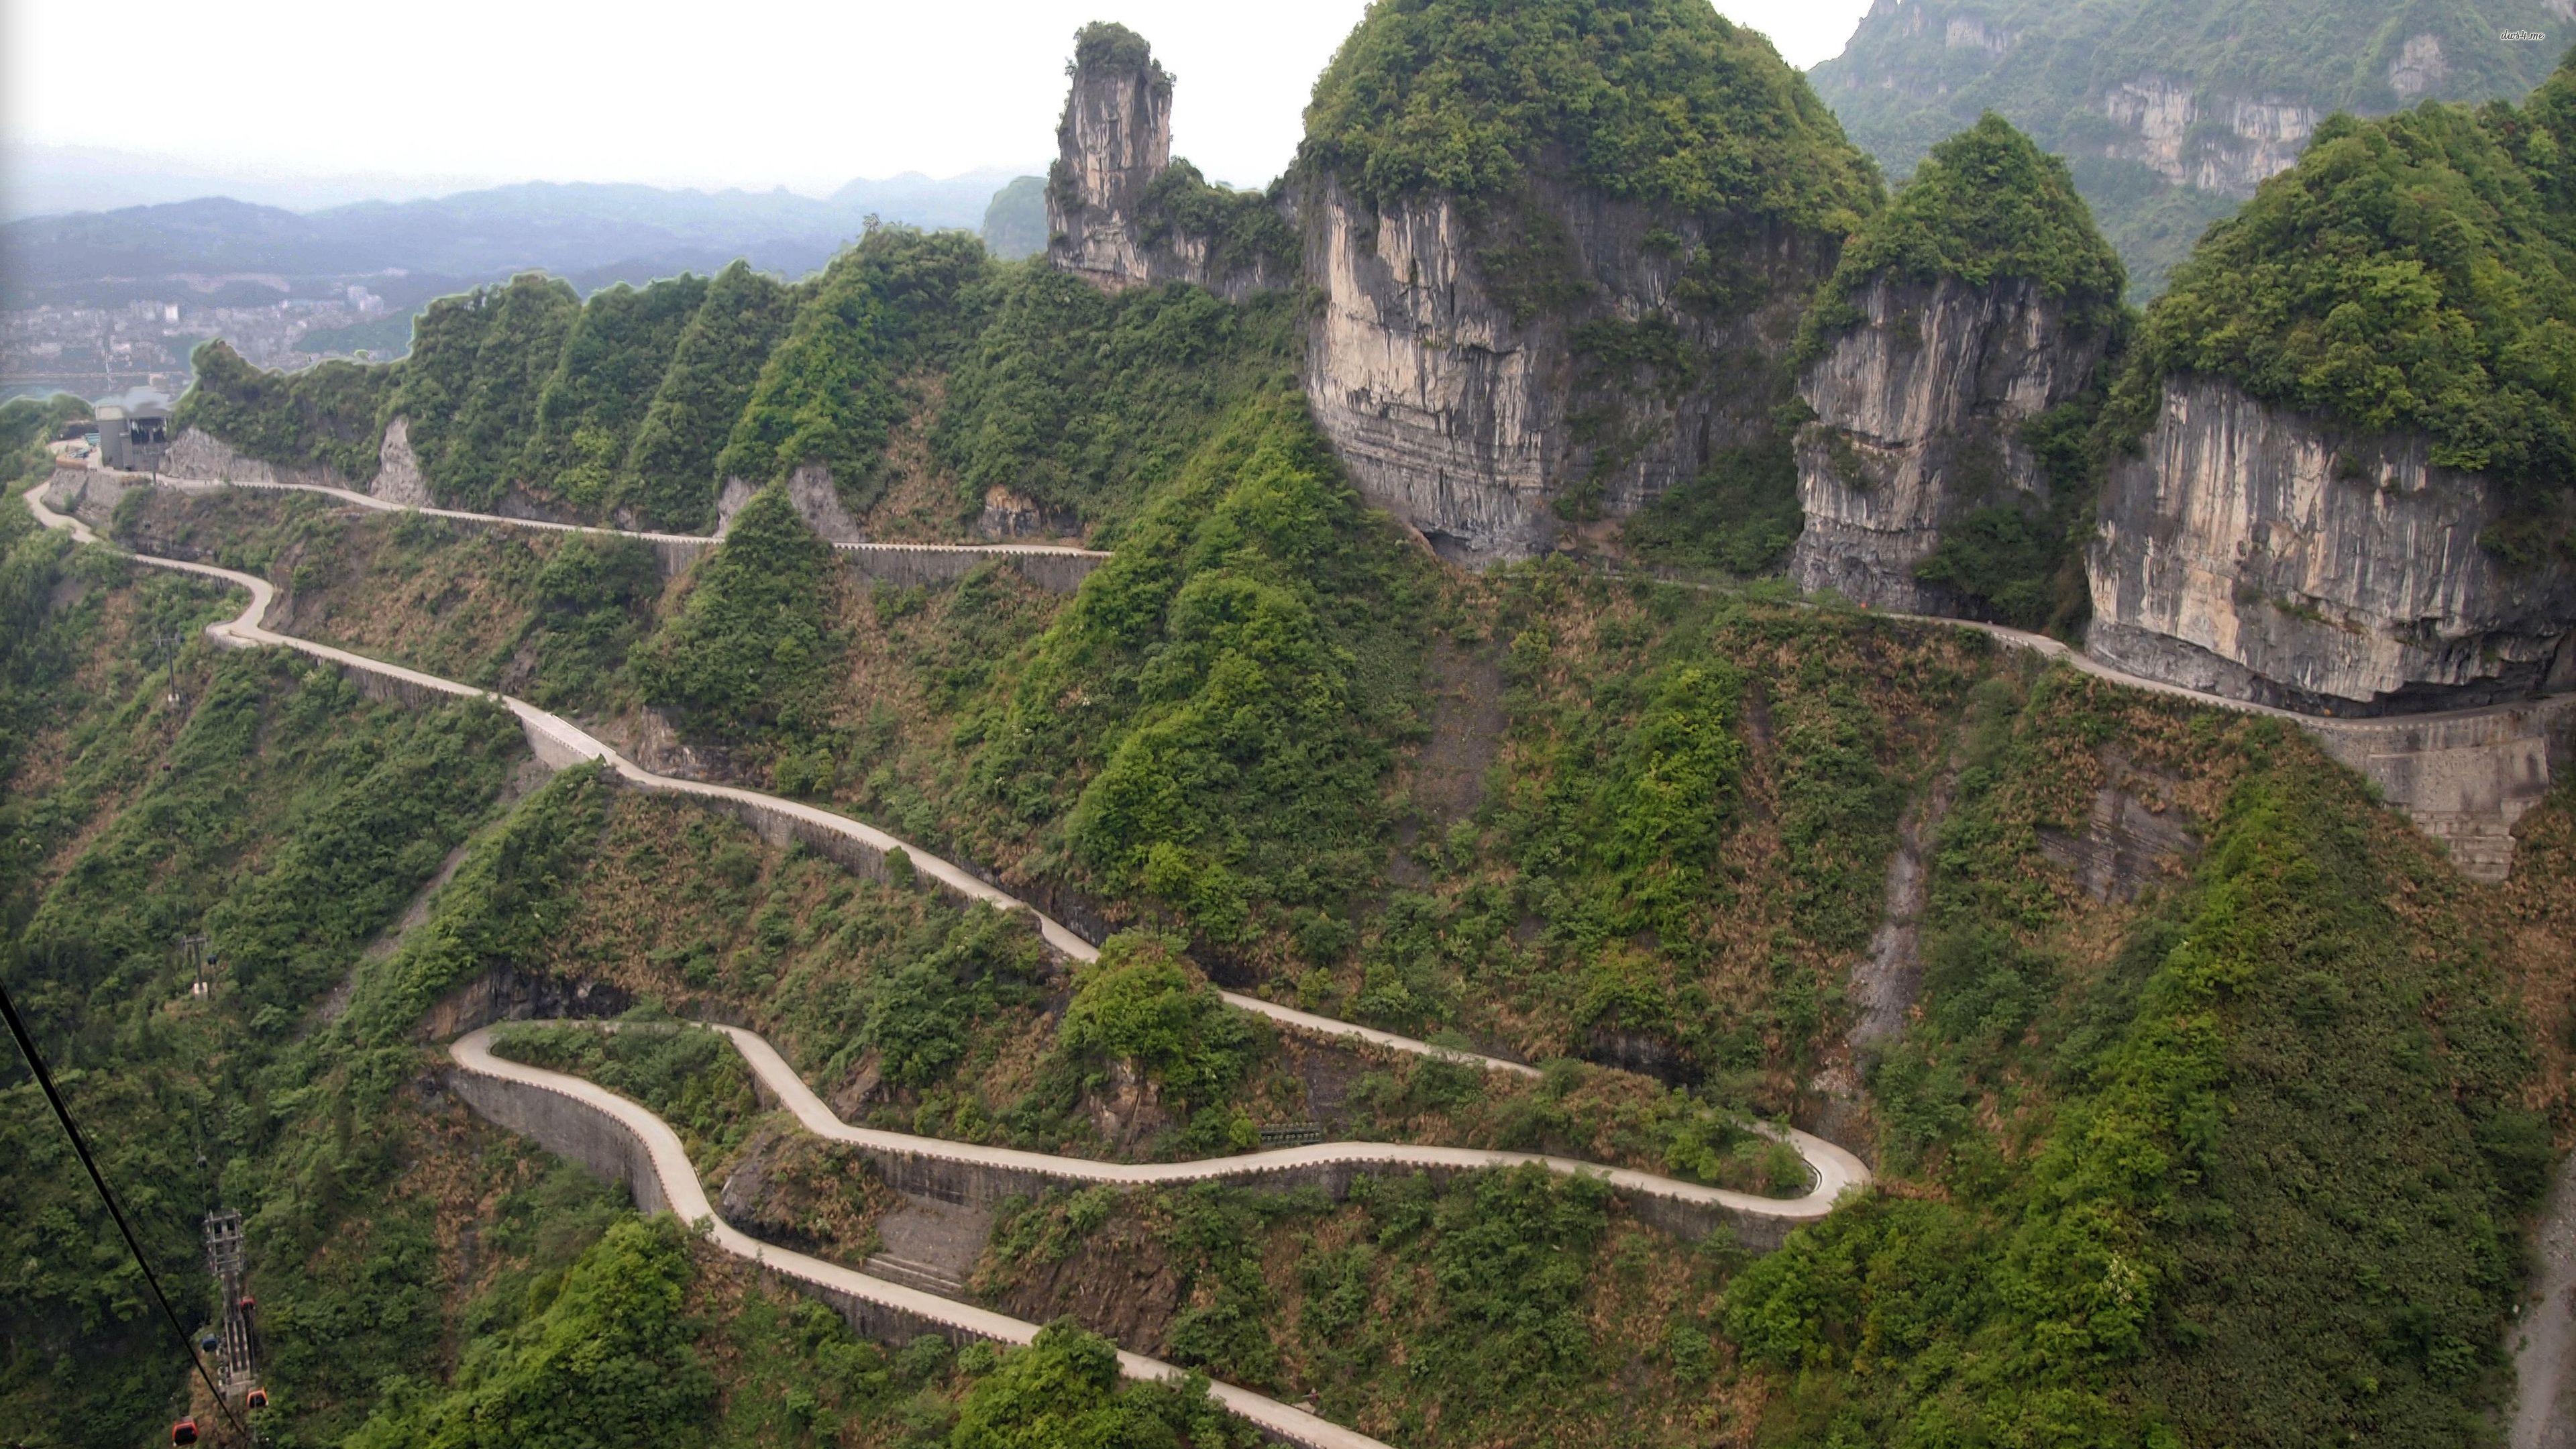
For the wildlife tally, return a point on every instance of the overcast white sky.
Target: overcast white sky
(751, 93)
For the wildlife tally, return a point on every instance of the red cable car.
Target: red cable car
(256, 1399)
(184, 1432)
(248, 1303)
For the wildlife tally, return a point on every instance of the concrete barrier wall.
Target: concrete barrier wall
(2464, 779)
(908, 565)
(566, 1128)
(602, 1145)
(779, 828)
(970, 1183)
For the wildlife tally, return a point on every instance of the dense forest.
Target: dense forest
(911, 355)
(2218, 1116)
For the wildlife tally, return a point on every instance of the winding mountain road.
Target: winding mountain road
(686, 1197)
(2465, 775)
(696, 540)
(1836, 1171)
(2055, 650)
(558, 742)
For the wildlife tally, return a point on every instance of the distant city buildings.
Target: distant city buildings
(97, 352)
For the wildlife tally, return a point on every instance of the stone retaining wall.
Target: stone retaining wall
(913, 565)
(603, 1145)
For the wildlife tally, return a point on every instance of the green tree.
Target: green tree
(607, 1364)
(1986, 207)
(1140, 1004)
(1648, 100)
(1063, 1392)
(330, 415)
(470, 387)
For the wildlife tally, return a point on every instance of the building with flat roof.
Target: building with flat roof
(132, 440)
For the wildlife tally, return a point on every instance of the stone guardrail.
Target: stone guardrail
(559, 743)
(977, 1175)
(2465, 777)
(1053, 567)
(619, 1139)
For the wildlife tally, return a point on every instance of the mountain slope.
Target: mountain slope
(2171, 110)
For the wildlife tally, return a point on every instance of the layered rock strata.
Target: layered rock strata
(2265, 556)
(1919, 408)
(1111, 192)
(1485, 419)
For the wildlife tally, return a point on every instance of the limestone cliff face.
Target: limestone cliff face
(1115, 138)
(1919, 408)
(1473, 413)
(2258, 554)
(2216, 142)
(1112, 214)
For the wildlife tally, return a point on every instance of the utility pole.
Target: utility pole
(170, 643)
(198, 959)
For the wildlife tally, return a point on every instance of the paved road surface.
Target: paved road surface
(1833, 1170)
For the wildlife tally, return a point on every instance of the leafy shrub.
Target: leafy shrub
(331, 415)
(1986, 207)
(1218, 698)
(470, 388)
(829, 395)
(613, 362)
(1141, 1005)
(608, 1362)
(1063, 1392)
(2251, 1093)
(921, 1010)
(690, 1077)
(501, 903)
(1741, 515)
(1085, 402)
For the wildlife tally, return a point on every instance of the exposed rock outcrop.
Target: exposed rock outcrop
(2137, 837)
(91, 495)
(1465, 409)
(2262, 134)
(398, 477)
(1010, 515)
(1114, 197)
(1919, 409)
(2419, 67)
(811, 490)
(199, 455)
(2266, 556)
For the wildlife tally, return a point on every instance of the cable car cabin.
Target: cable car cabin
(255, 1399)
(248, 1303)
(208, 1343)
(184, 1432)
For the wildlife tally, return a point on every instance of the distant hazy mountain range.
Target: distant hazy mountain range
(235, 253)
